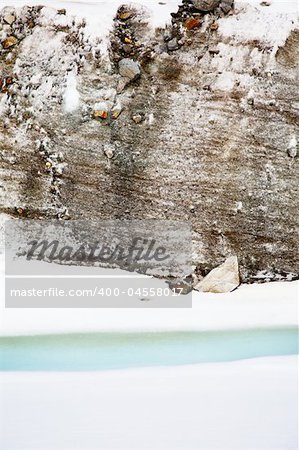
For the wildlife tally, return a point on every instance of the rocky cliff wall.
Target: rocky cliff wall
(204, 129)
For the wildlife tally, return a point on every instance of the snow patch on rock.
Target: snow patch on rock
(253, 21)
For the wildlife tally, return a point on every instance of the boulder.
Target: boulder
(129, 68)
(224, 278)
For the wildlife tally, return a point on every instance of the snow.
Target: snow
(268, 24)
(3, 104)
(250, 306)
(252, 21)
(242, 405)
(71, 96)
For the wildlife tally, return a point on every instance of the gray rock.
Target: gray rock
(9, 18)
(224, 278)
(173, 45)
(205, 5)
(129, 68)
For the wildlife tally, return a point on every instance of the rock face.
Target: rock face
(208, 134)
(222, 279)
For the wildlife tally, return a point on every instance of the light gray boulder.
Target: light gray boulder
(224, 278)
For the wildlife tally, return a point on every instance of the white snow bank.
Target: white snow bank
(259, 305)
(270, 25)
(99, 14)
(228, 406)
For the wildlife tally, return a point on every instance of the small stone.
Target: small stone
(214, 51)
(129, 68)
(192, 23)
(137, 118)
(20, 211)
(116, 110)
(100, 110)
(224, 278)
(226, 5)
(127, 48)
(61, 12)
(9, 42)
(265, 3)
(9, 18)
(205, 5)
(167, 35)
(214, 26)
(173, 45)
(8, 81)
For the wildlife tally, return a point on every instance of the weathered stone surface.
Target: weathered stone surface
(203, 153)
(129, 69)
(224, 278)
(205, 5)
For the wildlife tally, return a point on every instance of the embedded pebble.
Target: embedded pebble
(129, 68)
(109, 150)
(293, 147)
(101, 110)
(9, 19)
(124, 15)
(226, 5)
(137, 118)
(9, 42)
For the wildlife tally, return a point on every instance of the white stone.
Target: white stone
(224, 278)
(205, 5)
(9, 18)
